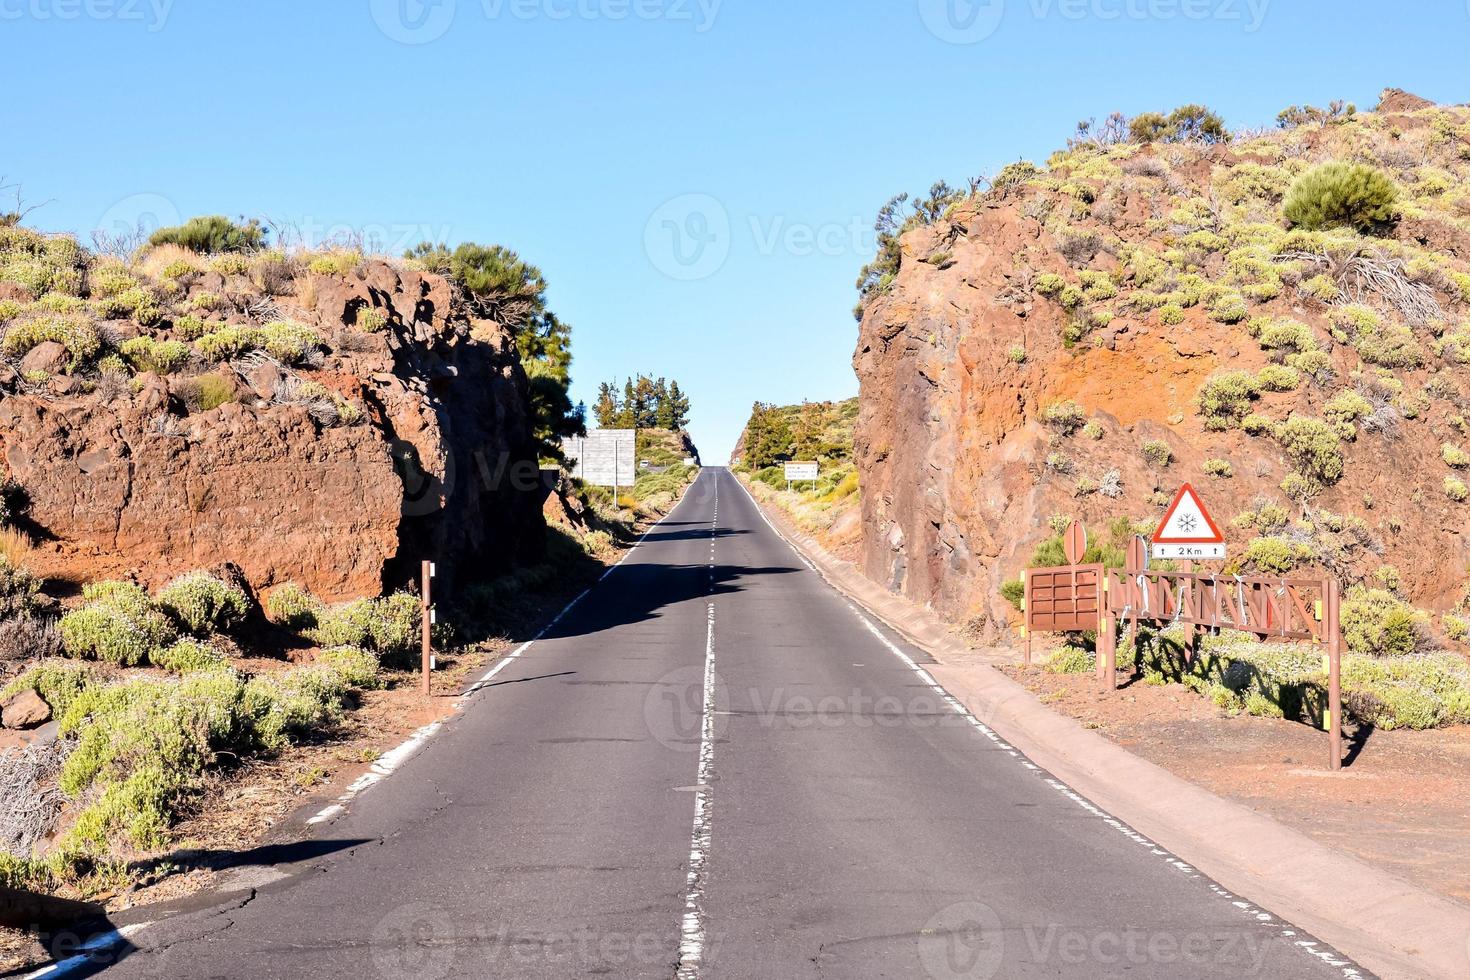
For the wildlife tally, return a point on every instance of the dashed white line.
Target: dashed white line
(1317, 950)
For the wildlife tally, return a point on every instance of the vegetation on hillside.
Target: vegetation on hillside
(820, 432)
(136, 744)
(1335, 245)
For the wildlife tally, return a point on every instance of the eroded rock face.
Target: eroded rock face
(961, 474)
(131, 484)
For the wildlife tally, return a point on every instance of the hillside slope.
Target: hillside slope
(1084, 337)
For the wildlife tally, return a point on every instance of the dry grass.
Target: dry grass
(15, 546)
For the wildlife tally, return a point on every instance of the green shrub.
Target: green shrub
(204, 604)
(1255, 425)
(18, 589)
(293, 607)
(58, 682)
(1322, 287)
(1390, 347)
(1455, 489)
(289, 342)
(1158, 453)
(1377, 622)
(357, 667)
(117, 624)
(1219, 467)
(1013, 591)
(1070, 660)
(1346, 408)
(1416, 692)
(1350, 195)
(1065, 416)
(156, 356)
(1276, 555)
(72, 331)
(1171, 314)
(1287, 335)
(188, 656)
(292, 704)
(388, 626)
(1093, 430)
(1225, 399)
(1230, 308)
(1016, 354)
(136, 304)
(373, 320)
(1456, 628)
(1454, 456)
(1278, 377)
(335, 263)
(1050, 284)
(229, 342)
(1313, 447)
(210, 234)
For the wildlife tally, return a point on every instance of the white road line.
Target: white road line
(1284, 930)
(692, 928)
(692, 931)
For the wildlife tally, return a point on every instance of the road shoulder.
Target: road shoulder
(1390, 926)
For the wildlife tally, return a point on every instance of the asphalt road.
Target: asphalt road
(714, 766)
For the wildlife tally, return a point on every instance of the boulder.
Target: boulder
(48, 356)
(24, 709)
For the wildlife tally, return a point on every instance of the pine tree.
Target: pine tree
(678, 407)
(607, 408)
(645, 404)
(663, 414)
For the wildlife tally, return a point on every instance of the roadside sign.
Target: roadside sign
(1188, 531)
(1074, 543)
(802, 471)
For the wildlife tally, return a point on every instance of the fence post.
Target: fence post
(1330, 613)
(428, 616)
(1107, 637)
(1026, 614)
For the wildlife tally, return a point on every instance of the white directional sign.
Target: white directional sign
(1188, 532)
(802, 471)
(603, 457)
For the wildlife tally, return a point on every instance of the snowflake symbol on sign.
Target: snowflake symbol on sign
(1188, 523)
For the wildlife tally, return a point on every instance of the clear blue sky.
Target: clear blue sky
(562, 128)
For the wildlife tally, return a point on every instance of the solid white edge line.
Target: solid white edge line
(1283, 929)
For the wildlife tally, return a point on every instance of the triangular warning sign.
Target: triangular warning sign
(1188, 522)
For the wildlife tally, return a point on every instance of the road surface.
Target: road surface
(714, 766)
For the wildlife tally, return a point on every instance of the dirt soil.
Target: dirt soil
(1402, 803)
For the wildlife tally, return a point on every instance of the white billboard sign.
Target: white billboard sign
(604, 457)
(802, 471)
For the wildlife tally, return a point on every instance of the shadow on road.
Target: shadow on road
(637, 593)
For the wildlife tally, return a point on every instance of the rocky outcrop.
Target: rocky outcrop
(961, 355)
(136, 480)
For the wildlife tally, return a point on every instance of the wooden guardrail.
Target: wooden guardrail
(1074, 598)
